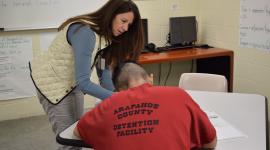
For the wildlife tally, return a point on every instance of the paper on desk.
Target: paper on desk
(224, 129)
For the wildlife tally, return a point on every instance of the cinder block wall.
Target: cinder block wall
(219, 27)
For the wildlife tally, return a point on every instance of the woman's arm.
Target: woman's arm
(82, 39)
(105, 78)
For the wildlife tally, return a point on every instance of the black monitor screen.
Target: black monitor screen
(145, 31)
(183, 30)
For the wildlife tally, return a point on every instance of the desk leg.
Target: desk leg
(217, 65)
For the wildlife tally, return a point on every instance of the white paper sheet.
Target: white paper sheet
(254, 24)
(15, 81)
(224, 129)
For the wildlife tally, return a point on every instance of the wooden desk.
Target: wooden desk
(212, 60)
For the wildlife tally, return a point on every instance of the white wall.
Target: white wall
(158, 12)
(219, 27)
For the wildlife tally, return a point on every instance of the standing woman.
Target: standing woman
(100, 39)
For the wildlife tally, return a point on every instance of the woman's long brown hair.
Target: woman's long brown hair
(128, 45)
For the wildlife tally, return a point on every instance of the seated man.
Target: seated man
(145, 117)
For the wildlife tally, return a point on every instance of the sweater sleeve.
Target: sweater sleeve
(82, 40)
(105, 77)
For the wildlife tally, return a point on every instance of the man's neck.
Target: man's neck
(136, 82)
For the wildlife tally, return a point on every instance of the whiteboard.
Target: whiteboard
(40, 14)
(254, 29)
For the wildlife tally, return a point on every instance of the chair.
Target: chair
(203, 82)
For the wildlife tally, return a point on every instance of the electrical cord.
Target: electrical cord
(192, 65)
(168, 74)
(159, 74)
(167, 40)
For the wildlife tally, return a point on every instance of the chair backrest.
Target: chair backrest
(203, 82)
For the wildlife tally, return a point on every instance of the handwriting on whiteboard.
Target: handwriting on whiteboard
(42, 14)
(28, 3)
(254, 29)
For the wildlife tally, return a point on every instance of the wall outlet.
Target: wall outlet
(174, 7)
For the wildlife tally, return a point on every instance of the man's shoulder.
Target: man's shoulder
(168, 88)
(170, 91)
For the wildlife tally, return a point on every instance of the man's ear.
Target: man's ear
(150, 79)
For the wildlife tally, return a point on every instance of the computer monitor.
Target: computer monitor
(183, 30)
(145, 31)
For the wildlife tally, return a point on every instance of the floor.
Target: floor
(33, 133)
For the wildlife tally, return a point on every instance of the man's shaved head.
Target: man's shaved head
(127, 72)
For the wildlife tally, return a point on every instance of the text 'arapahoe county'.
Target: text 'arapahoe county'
(139, 126)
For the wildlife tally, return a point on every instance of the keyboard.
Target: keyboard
(168, 48)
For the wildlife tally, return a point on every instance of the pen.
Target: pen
(213, 116)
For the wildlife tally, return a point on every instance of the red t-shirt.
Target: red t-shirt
(147, 118)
